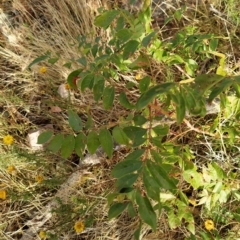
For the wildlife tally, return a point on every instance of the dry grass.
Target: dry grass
(25, 103)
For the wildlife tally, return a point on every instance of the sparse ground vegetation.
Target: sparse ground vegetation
(119, 121)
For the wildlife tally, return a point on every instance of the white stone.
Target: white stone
(33, 139)
(63, 92)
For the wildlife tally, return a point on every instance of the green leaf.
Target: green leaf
(146, 40)
(108, 97)
(193, 177)
(53, 60)
(135, 154)
(150, 94)
(80, 142)
(126, 167)
(135, 134)
(124, 34)
(218, 187)
(94, 50)
(137, 233)
(120, 136)
(71, 78)
(227, 82)
(173, 220)
(140, 62)
(236, 216)
(74, 120)
(44, 137)
(190, 99)
(131, 210)
(56, 143)
(156, 156)
(236, 87)
(146, 211)
(67, 65)
(139, 30)
(174, 59)
(106, 18)
(183, 198)
(87, 82)
(161, 130)
(178, 14)
(130, 48)
(124, 101)
(190, 66)
(98, 78)
(92, 142)
(120, 23)
(89, 123)
(68, 146)
(144, 84)
(106, 141)
(83, 61)
(116, 209)
(213, 44)
(180, 107)
(98, 90)
(111, 197)
(130, 85)
(205, 82)
(126, 181)
(220, 174)
(39, 59)
(161, 176)
(205, 236)
(158, 54)
(139, 120)
(157, 141)
(153, 189)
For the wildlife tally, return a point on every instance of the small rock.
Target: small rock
(33, 139)
(63, 92)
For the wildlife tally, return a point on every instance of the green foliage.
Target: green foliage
(44, 137)
(106, 141)
(105, 19)
(39, 59)
(148, 178)
(74, 121)
(116, 209)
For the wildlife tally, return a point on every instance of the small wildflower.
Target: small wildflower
(79, 226)
(39, 178)
(8, 139)
(209, 225)
(3, 194)
(11, 169)
(67, 86)
(42, 235)
(43, 70)
(138, 76)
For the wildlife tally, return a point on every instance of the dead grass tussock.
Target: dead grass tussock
(51, 26)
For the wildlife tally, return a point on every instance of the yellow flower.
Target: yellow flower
(11, 169)
(79, 226)
(8, 139)
(42, 69)
(39, 178)
(138, 76)
(209, 225)
(67, 86)
(42, 234)
(3, 194)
